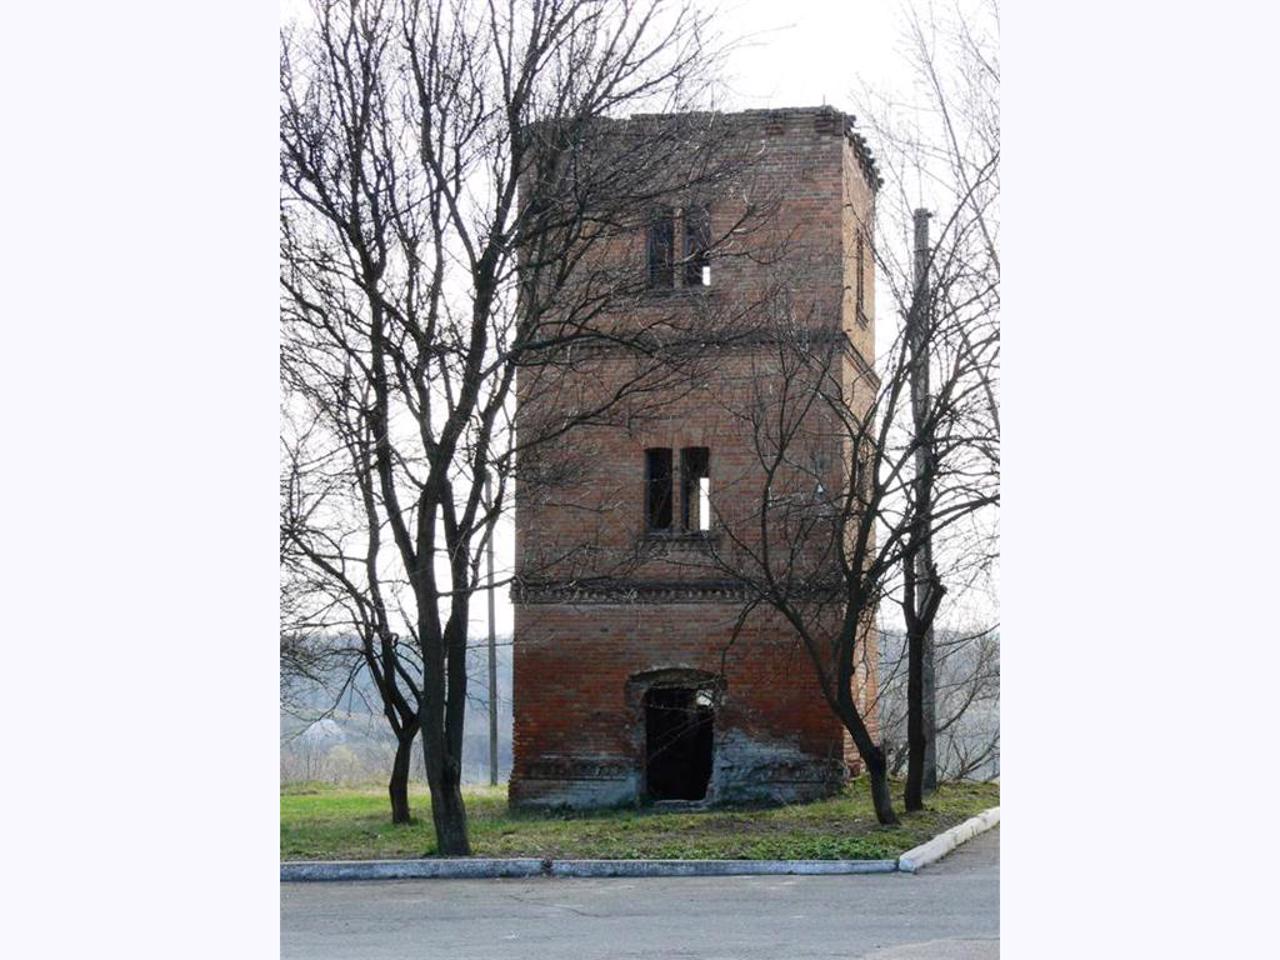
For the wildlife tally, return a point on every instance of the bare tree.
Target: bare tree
(967, 670)
(941, 149)
(839, 522)
(447, 170)
(331, 554)
(301, 655)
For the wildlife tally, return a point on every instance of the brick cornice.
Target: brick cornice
(817, 334)
(625, 591)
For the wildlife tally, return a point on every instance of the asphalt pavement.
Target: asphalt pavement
(948, 911)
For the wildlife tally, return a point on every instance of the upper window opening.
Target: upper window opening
(697, 246)
(695, 489)
(657, 462)
(690, 266)
(661, 248)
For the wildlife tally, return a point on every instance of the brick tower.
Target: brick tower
(637, 677)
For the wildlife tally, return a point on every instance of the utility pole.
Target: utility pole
(925, 455)
(922, 588)
(493, 646)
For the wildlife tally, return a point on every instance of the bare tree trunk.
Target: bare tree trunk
(398, 788)
(922, 733)
(442, 745)
(881, 799)
(914, 797)
(929, 713)
(872, 755)
(448, 812)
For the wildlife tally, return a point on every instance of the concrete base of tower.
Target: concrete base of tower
(744, 771)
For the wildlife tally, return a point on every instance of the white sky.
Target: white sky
(809, 52)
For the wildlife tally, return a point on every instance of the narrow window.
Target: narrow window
(697, 244)
(864, 465)
(661, 248)
(861, 271)
(695, 489)
(657, 476)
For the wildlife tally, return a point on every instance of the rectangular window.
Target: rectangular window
(861, 271)
(657, 481)
(697, 244)
(661, 248)
(865, 463)
(695, 489)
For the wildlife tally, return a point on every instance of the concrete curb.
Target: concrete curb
(937, 848)
(484, 868)
(456, 868)
(716, 868)
(468, 868)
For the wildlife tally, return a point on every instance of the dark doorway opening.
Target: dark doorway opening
(679, 727)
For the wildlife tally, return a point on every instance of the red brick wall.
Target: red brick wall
(578, 722)
(774, 736)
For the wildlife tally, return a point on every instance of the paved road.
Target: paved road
(949, 911)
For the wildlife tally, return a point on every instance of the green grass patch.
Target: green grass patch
(323, 822)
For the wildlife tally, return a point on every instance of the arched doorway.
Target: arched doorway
(679, 724)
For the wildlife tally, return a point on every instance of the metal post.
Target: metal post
(924, 456)
(493, 648)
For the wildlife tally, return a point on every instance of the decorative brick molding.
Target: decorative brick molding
(629, 591)
(577, 768)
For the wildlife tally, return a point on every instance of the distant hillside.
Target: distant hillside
(967, 678)
(352, 742)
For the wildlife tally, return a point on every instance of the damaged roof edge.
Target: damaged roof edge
(861, 149)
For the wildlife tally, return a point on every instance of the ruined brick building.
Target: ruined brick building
(636, 676)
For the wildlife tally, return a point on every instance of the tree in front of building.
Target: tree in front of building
(440, 181)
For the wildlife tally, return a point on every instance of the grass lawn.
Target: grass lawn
(324, 822)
